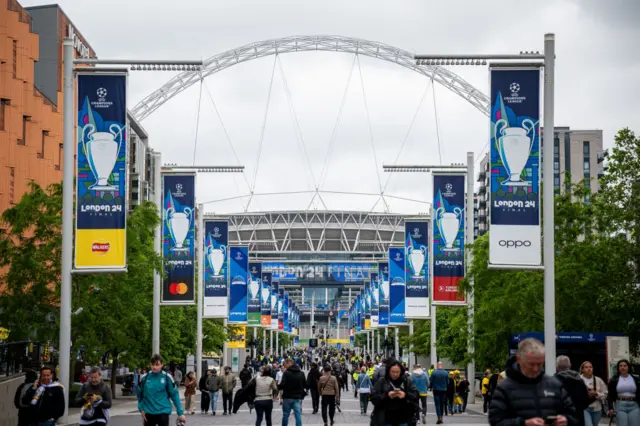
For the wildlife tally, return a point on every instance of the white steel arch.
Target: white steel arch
(257, 50)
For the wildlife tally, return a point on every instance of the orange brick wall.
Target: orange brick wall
(20, 164)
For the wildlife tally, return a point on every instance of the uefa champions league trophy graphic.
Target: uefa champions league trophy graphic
(417, 256)
(265, 296)
(254, 286)
(514, 147)
(449, 225)
(376, 295)
(178, 224)
(384, 287)
(102, 153)
(216, 257)
(274, 304)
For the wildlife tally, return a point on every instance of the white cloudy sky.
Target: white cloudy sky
(597, 75)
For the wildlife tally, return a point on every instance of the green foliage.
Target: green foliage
(30, 250)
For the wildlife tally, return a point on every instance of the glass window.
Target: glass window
(587, 165)
(585, 148)
(556, 182)
(556, 165)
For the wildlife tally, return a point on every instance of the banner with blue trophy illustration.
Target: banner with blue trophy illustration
(397, 285)
(274, 303)
(238, 274)
(375, 299)
(285, 312)
(101, 172)
(359, 314)
(281, 309)
(417, 269)
(254, 306)
(514, 230)
(448, 237)
(216, 268)
(178, 238)
(367, 305)
(265, 294)
(383, 300)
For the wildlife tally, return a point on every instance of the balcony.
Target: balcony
(482, 190)
(482, 176)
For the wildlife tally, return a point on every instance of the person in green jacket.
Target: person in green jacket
(155, 394)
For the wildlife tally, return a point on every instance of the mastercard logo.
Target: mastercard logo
(178, 288)
(100, 248)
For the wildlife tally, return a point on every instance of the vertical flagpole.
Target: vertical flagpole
(157, 246)
(410, 353)
(200, 292)
(548, 204)
(434, 355)
(469, 237)
(396, 340)
(67, 224)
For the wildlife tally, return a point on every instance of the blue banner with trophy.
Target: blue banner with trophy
(417, 269)
(375, 299)
(265, 293)
(216, 268)
(285, 312)
(102, 172)
(281, 309)
(238, 273)
(397, 300)
(178, 239)
(383, 299)
(448, 237)
(367, 305)
(359, 314)
(514, 230)
(274, 303)
(254, 306)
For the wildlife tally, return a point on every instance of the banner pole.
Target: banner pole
(254, 346)
(200, 293)
(397, 342)
(433, 355)
(157, 246)
(471, 367)
(67, 225)
(548, 218)
(264, 341)
(411, 352)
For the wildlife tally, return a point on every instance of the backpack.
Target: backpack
(19, 398)
(169, 385)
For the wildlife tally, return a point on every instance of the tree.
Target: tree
(30, 249)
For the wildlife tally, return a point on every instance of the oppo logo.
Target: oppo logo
(514, 243)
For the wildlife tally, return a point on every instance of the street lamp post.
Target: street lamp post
(170, 167)
(469, 170)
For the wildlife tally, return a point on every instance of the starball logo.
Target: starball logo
(448, 191)
(178, 192)
(398, 257)
(216, 232)
(239, 256)
(514, 97)
(102, 101)
(416, 233)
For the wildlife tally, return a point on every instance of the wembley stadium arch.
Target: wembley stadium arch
(323, 257)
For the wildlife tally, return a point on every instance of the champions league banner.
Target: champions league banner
(383, 300)
(417, 269)
(178, 239)
(375, 299)
(254, 306)
(102, 173)
(274, 304)
(367, 306)
(216, 268)
(359, 316)
(265, 293)
(285, 312)
(396, 286)
(448, 237)
(239, 272)
(280, 310)
(514, 230)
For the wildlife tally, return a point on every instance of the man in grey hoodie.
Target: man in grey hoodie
(95, 397)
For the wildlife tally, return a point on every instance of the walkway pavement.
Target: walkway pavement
(126, 414)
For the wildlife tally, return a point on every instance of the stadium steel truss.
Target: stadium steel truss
(324, 43)
(317, 232)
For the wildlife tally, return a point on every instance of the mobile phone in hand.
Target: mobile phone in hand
(549, 420)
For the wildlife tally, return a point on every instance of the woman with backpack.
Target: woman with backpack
(329, 390)
(597, 394)
(394, 397)
(363, 385)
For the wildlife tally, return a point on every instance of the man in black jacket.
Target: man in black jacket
(292, 386)
(24, 404)
(46, 399)
(312, 385)
(527, 396)
(573, 384)
(245, 375)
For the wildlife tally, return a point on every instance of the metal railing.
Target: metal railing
(18, 356)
